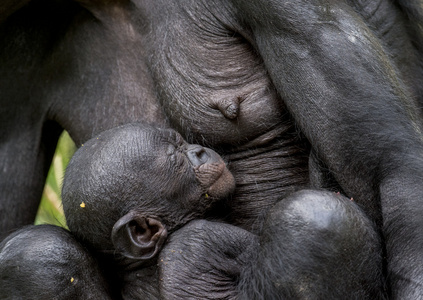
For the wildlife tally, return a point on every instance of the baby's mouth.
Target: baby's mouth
(215, 179)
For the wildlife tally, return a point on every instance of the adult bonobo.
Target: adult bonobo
(232, 74)
(241, 76)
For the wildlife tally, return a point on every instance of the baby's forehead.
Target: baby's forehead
(124, 150)
(146, 135)
(135, 139)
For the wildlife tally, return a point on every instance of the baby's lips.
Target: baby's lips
(224, 184)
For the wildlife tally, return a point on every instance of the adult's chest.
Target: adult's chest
(210, 80)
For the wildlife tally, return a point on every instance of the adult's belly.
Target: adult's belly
(215, 91)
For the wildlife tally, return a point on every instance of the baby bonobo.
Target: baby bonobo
(126, 189)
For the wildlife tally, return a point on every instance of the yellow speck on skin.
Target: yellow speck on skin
(82, 205)
(72, 279)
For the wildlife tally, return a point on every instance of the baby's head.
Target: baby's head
(125, 189)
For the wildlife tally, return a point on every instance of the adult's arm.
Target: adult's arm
(342, 88)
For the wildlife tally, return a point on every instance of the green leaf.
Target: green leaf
(50, 210)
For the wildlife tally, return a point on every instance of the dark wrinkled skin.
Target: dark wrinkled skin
(337, 79)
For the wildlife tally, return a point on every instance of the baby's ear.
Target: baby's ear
(138, 237)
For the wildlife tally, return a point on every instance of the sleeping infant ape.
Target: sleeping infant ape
(127, 188)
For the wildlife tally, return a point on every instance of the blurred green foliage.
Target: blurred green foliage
(50, 210)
